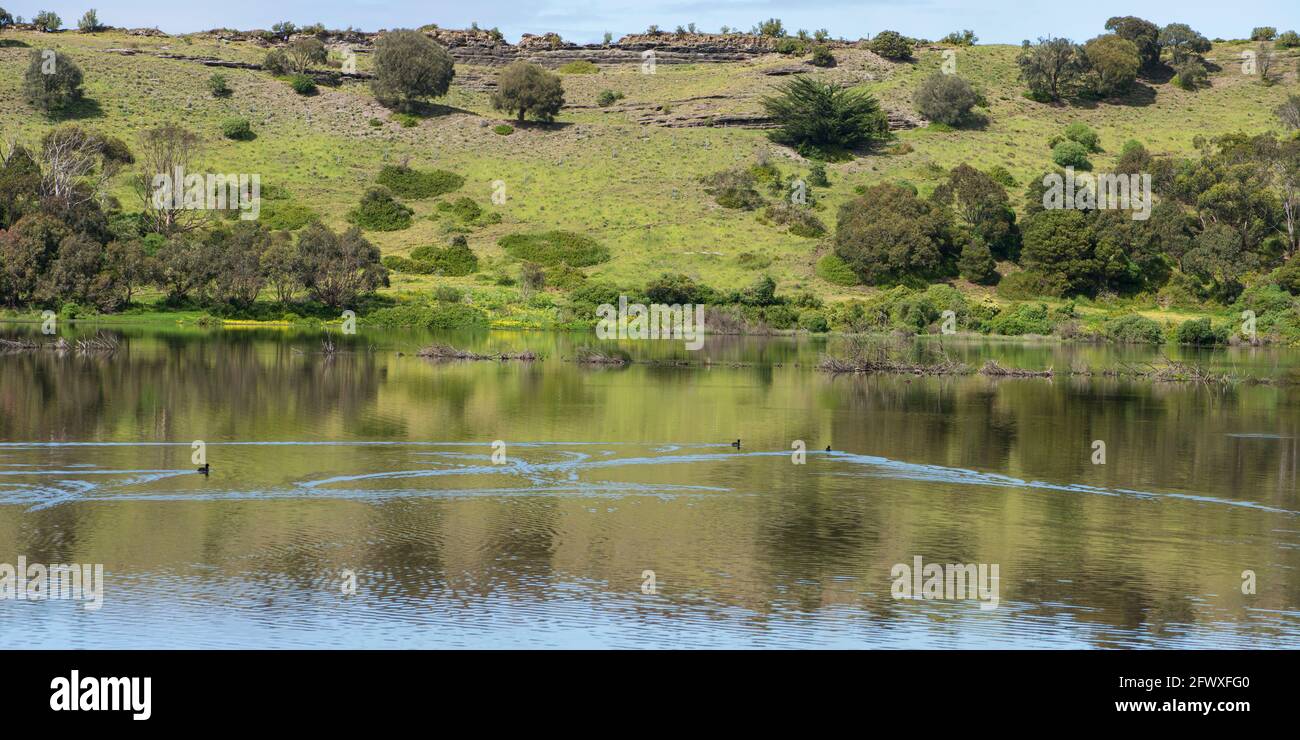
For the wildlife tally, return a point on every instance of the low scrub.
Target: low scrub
(553, 248)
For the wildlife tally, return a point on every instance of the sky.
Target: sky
(994, 21)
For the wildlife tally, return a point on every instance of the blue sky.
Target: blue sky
(1002, 21)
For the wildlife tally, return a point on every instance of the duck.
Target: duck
(828, 448)
(736, 444)
(204, 469)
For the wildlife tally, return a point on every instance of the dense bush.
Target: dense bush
(218, 87)
(1114, 62)
(834, 270)
(1134, 329)
(945, 98)
(891, 45)
(798, 219)
(673, 289)
(302, 84)
(1082, 134)
(435, 314)
(455, 260)
(579, 67)
(889, 235)
(238, 129)
(734, 189)
(418, 184)
(551, 248)
(822, 56)
(1020, 319)
(976, 262)
(607, 98)
(1071, 154)
(1201, 333)
(379, 211)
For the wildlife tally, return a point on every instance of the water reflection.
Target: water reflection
(374, 461)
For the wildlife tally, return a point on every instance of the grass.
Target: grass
(633, 187)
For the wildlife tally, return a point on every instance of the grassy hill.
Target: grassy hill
(627, 174)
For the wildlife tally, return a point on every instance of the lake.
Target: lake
(357, 498)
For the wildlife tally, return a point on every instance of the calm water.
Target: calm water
(381, 464)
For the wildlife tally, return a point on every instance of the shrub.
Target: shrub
(945, 98)
(455, 260)
(285, 215)
(799, 219)
(409, 67)
(551, 248)
(1134, 329)
(528, 90)
(888, 235)
(302, 84)
(734, 189)
(1190, 74)
(1201, 333)
(504, 129)
(823, 119)
(89, 22)
(1080, 133)
(1263, 33)
(448, 294)
(379, 211)
(418, 184)
(607, 98)
(1071, 154)
(276, 62)
(817, 175)
(1023, 318)
(1024, 284)
(238, 129)
(822, 56)
(218, 87)
(891, 45)
(579, 67)
(430, 315)
(1288, 40)
(960, 38)
(834, 270)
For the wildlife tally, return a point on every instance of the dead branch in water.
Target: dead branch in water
(996, 369)
(101, 343)
(448, 352)
(590, 356)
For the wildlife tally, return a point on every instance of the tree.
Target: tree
(1144, 34)
(771, 28)
(239, 276)
(1052, 68)
(527, 89)
(80, 273)
(280, 265)
(6, 20)
(184, 267)
(130, 265)
(945, 98)
(891, 45)
(1114, 63)
(976, 262)
(1289, 112)
(89, 22)
(335, 268)
(1058, 247)
(20, 184)
(1182, 42)
(27, 250)
(164, 151)
(1263, 33)
(981, 207)
(302, 53)
(889, 235)
(52, 82)
(47, 21)
(819, 118)
(410, 67)
(283, 30)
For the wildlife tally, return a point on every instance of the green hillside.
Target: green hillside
(617, 173)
